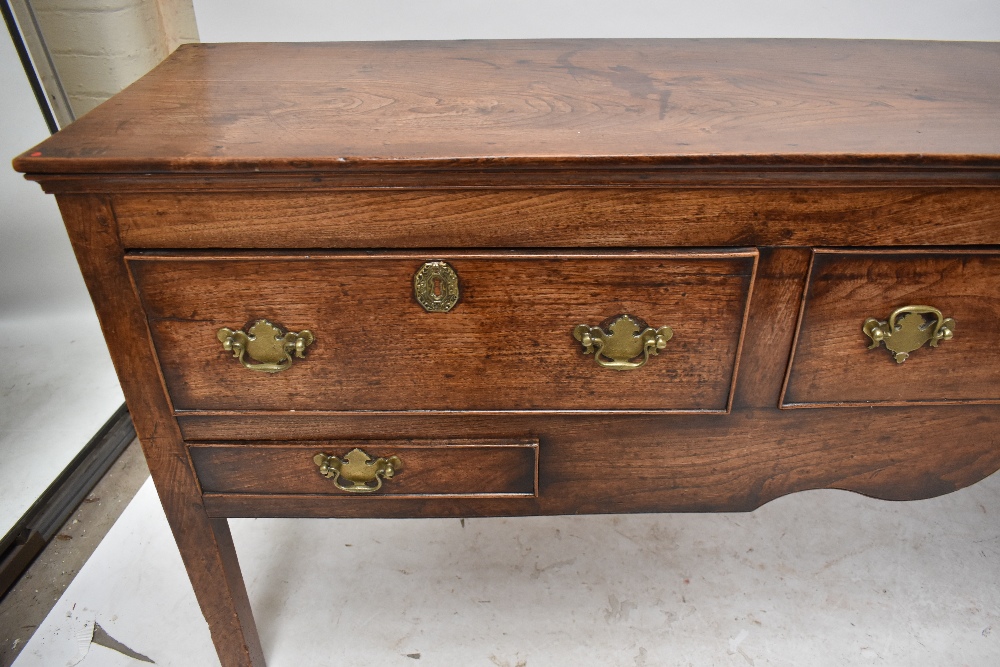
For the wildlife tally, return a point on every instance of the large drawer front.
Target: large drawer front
(832, 362)
(508, 344)
(425, 468)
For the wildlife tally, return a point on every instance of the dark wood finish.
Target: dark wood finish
(567, 181)
(559, 176)
(205, 544)
(832, 363)
(669, 463)
(774, 311)
(507, 345)
(580, 217)
(523, 103)
(430, 468)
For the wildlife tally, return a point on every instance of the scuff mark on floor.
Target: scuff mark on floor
(83, 638)
(506, 663)
(735, 648)
(415, 656)
(540, 570)
(618, 610)
(102, 638)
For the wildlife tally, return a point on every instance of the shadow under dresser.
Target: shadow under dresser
(504, 278)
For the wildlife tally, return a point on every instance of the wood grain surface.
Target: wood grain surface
(758, 196)
(507, 344)
(658, 463)
(566, 217)
(522, 103)
(832, 363)
(453, 468)
(771, 319)
(205, 544)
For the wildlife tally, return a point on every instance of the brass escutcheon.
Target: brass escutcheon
(436, 287)
(621, 340)
(266, 344)
(905, 334)
(357, 472)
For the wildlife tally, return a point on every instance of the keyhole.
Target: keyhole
(436, 287)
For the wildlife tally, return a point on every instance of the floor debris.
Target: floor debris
(102, 638)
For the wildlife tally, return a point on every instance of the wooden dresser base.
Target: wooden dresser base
(746, 206)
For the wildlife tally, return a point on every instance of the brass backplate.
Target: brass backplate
(619, 342)
(908, 329)
(357, 472)
(266, 344)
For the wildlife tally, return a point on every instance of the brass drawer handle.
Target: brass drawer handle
(905, 334)
(266, 344)
(359, 472)
(623, 339)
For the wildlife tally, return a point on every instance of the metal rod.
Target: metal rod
(29, 68)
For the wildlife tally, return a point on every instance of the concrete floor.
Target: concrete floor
(26, 605)
(53, 398)
(817, 578)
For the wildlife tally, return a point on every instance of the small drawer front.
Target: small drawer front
(359, 468)
(943, 344)
(514, 339)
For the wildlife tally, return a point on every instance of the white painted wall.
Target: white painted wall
(325, 20)
(100, 46)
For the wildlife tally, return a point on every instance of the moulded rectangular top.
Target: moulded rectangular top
(542, 104)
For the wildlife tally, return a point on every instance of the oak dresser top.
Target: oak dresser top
(594, 104)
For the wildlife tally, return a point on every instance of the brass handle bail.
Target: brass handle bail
(357, 472)
(622, 341)
(267, 344)
(907, 329)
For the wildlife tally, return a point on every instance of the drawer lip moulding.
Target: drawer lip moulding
(456, 468)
